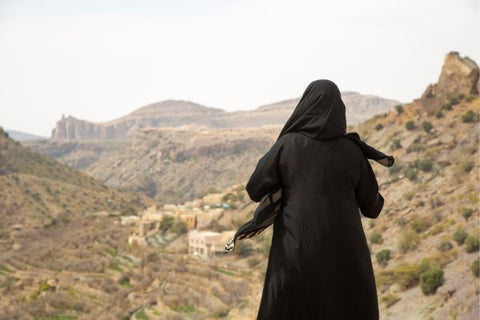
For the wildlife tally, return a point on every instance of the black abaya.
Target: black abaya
(319, 263)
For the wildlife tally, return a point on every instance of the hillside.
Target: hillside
(432, 199)
(37, 190)
(171, 113)
(169, 164)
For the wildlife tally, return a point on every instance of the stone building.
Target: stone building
(190, 219)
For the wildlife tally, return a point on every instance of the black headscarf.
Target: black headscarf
(320, 114)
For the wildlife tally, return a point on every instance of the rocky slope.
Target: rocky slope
(174, 165)
(171, 113)
(432, 199)
(169, 164)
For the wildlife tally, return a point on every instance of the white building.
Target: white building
(208, 243)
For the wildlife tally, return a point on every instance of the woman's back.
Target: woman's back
(320, 167)
(319, 263)
(319, 251)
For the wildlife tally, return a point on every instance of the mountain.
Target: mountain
(23, 136)
(172, 113)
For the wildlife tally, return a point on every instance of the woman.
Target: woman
(319, 264)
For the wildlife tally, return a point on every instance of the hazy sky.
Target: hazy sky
(99, 60)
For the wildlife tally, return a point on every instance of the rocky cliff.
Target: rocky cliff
(459, 77)
(162, 114)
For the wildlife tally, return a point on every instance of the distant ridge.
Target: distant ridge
(23, 136)
(172, 113)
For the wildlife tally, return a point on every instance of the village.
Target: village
(193, 217)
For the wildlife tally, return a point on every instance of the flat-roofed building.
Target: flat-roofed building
(208, 243)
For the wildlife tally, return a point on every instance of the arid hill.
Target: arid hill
(37, 190)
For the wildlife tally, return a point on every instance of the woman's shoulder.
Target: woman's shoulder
(350, 142)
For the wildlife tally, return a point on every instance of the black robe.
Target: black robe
(319, 264)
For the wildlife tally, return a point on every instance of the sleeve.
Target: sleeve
(266, 176)
(369, 200)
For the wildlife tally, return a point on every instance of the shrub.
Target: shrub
(399, 108)
(395, 169)
(430, 280)
(469, 116)
(439, 114)
(466, 212)
(468, 166)
(410, 125)
(444, 246)
(420, 224)
(188, 308)
(376, 238)
(427, 126)
(424, 265)
(475, 267)
(411, 174)
(395, 145)
(383, 256)
(415, 147)
(423, 164)
(460, 235)
(389, 299)
(472, 244)
(378, 126)
(406, 276)
(455, 98)
(408, 241)
(140, 315)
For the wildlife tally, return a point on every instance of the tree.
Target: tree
(166, 223)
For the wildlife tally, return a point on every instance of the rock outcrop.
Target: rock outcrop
(156, 115)
(459, 76)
